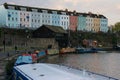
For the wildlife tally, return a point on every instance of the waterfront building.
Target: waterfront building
(103, 23)
(17, 16)
(96, 21)
(24, 18)
(73, 21)
(89, 22)
(55, 18)
(57, 33)
(64, 19)
(81, 22)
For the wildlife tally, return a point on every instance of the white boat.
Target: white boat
(45, 71)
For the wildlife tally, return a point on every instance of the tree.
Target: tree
(116, 27)
(0, 32)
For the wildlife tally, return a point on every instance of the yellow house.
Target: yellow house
(96, 24)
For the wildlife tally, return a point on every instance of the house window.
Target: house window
(38, 21)
(8, 18)
(48, 21)
(35, 20)
(16, 19)
(12, 19)
(9, 25)
(20, 19)
(24, 19)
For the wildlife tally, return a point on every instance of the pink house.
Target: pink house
(73, 22)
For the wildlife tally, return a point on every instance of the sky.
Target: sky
(109, 8)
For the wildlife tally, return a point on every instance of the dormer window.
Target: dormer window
(54, 12)
(11, 7)
(64, 13)
(34, 10)
(23, 9)
(71, 14)
(44, 11)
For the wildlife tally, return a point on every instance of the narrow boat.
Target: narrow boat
(85, 50)
(45, 71)
(23, 60)
(67, 50)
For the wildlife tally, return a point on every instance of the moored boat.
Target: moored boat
(67, 50)
(45, 71)
(23, 60)
(52, 51)
(85, 50)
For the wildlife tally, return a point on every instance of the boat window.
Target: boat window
(19, 78)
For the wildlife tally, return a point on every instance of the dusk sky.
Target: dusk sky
(109, 8)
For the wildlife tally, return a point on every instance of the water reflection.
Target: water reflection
(103, 63)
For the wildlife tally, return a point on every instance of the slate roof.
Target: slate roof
(17, 7)
(57, 29)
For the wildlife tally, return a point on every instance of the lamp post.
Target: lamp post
(4, 41)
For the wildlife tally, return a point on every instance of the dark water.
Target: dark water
(107, 63)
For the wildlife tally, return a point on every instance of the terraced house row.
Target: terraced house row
(17, 16)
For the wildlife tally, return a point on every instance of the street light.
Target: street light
(4, 41)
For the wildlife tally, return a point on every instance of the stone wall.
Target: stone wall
(22, 41)
(42, 42)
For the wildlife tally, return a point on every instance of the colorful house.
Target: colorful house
(73, 21)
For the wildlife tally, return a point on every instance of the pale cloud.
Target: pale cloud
(88, 1)
(118, 7)
(74, 2)
(11, 2)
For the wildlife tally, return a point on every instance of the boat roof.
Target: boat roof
(45, 71)
(40, 71)
(23, 60)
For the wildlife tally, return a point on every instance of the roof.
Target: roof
(45, 71)
(56, 29)
(74, 13)
(23, 60)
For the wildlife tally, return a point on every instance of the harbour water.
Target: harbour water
(106, 63)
